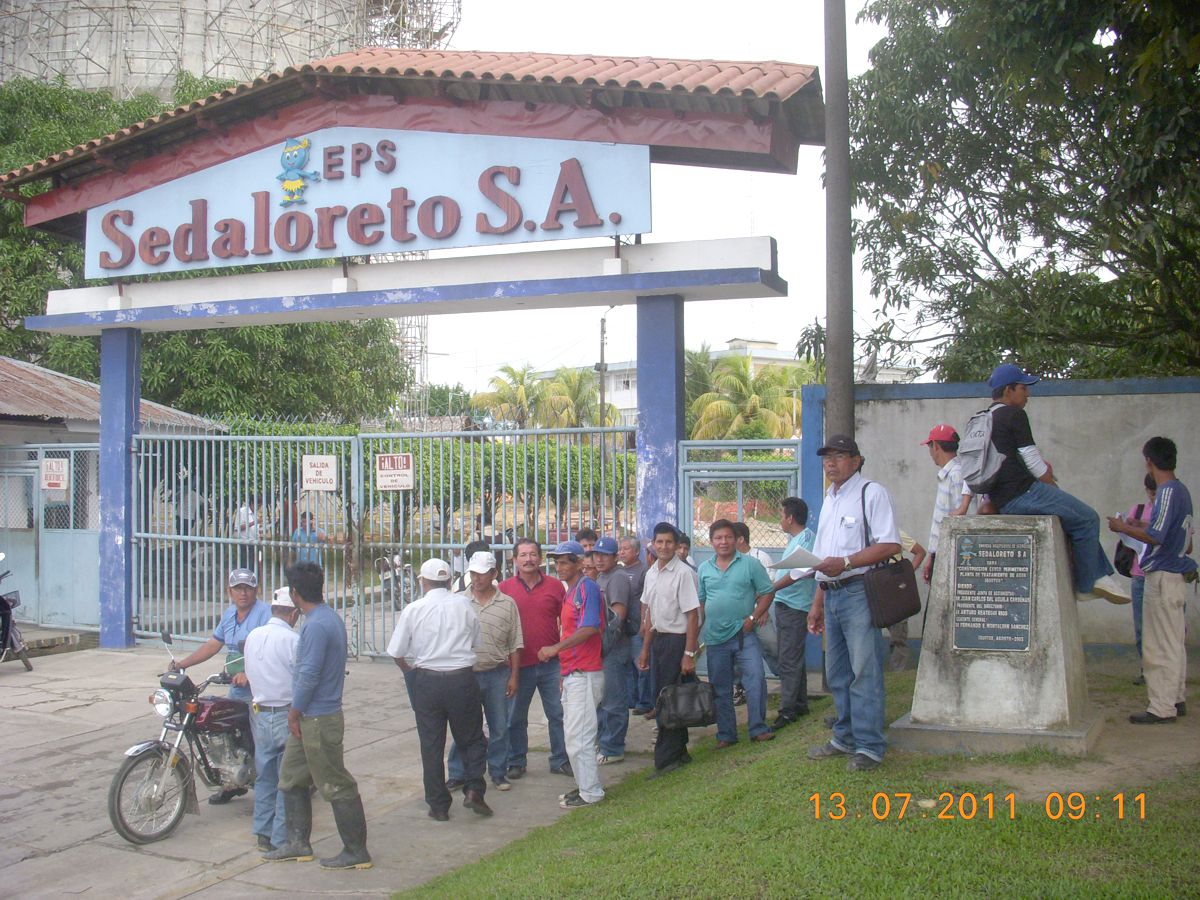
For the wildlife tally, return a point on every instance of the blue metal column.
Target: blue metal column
(812, 436)
(660, 410)
(120, 388)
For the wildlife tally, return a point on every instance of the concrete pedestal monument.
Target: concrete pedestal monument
(1001, 664)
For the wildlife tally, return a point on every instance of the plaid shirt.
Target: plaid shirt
(949, 495)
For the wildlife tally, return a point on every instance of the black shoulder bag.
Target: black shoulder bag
(686, 704)
(891, 586)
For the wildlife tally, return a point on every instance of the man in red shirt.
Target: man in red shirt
(581, 657)
(539, 602)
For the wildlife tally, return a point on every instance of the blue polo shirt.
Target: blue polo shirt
(232, 633)
(799, 595)
(728, 597)
(1170, 525)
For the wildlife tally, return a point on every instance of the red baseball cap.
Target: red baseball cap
(941, 433)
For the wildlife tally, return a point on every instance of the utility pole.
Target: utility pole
(602, 367)
(839, 251)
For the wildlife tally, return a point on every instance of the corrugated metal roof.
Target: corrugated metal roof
(32, 392)
(715, 86)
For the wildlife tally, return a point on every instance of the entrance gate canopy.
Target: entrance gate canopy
(135, 192)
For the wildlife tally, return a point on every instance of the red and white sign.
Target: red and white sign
(318, 473)
(394, 471)
(56, 476)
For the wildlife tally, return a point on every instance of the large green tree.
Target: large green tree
(1030, 171)
(344, 370)
(744, 404)
(516, 396)
(572, 400)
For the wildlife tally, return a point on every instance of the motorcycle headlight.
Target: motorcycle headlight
(161, 701)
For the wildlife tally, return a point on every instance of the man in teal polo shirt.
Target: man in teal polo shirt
(735, 593)
(793, 600)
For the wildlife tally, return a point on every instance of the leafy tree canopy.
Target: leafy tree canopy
(345, 370)
(1031, 175)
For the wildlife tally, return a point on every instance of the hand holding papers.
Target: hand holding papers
(798, 559)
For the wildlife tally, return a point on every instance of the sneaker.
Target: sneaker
(825, 751)
(860, 762)
(574, 792)
(453, 784)
(502, 784)
(220, 798)
(514, 772)
(1108, 588)
(602, 760)
(782, 722)
(574, 802)
(564, 769)
(264, 843)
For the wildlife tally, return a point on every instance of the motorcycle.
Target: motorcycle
(395, 580)
(10, 635)
(155, 785)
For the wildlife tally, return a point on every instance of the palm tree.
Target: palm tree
(767, 402)
(572, 400)
(697, 381)
(516, 396)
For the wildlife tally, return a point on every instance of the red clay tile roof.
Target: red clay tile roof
(754, 88)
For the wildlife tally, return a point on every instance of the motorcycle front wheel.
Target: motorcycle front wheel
(143, 805)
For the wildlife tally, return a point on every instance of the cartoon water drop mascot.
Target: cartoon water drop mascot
(293, 177)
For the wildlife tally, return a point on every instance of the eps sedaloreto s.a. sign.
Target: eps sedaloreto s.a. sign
(354, 191)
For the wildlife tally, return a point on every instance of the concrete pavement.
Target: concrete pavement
(66, 724)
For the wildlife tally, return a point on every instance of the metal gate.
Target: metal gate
(51, 534)
(210, 502)
(743, 481)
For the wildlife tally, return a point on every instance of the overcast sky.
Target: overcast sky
(791, 208)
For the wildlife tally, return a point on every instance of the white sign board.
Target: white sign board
(318, 473)
(394, 471)
(347, 191)
(55, 474)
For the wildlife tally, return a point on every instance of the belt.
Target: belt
(258, 707)
(840, 583)
(446, 672)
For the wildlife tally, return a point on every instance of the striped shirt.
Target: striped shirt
(500, 630)
(949, 495)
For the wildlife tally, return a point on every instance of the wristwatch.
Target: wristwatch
(691, 654)
(846, 563)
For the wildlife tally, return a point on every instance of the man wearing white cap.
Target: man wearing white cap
(436, 639)
(497, 666)
(270, 656)
(245, 613)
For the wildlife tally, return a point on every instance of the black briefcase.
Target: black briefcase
(892, 593)
(691, 704)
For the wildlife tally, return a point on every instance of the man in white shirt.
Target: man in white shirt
(671, 629)
(435, 639)
(270, 654)
(943, 450)
(854, 648)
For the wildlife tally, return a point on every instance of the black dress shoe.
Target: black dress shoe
(264, 843)
(1181, 708)
(514, 772)
(453, 784)
(782, 722)
(1149, 718)
(439, 815)
(473, 800)
(564, 769)
(220, 798)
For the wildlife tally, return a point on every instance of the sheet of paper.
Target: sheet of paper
(799, 559)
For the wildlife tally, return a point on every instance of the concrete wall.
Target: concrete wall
(1090, 431)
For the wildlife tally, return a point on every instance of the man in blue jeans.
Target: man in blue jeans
(539, 600)
(629, 555)
(613, 716)
(735, 594)
(270, 656)
(848, 546)
(1026, 486)
(497, 667)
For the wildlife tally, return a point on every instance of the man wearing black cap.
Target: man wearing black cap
(244, 613)
(1026, 486)
(857, 530)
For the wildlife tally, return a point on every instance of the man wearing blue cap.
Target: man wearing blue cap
(616, 590)
(1026, 486)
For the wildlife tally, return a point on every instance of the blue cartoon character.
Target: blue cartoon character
(293, 177)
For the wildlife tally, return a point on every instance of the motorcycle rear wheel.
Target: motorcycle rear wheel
(141, 812)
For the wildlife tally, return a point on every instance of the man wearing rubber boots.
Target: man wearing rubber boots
(316, 725)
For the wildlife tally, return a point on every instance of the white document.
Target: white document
(798, 559)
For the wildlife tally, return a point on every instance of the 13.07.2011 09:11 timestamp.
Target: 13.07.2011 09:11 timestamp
(967, 806)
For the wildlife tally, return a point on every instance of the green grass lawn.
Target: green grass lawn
(740, 822)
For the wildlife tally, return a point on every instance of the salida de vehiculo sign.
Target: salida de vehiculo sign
(350, 191)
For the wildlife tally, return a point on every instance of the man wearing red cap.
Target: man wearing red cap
(943, 450)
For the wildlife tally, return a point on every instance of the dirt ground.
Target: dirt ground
(1127, 757)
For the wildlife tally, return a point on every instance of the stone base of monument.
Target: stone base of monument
(1001, 665)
